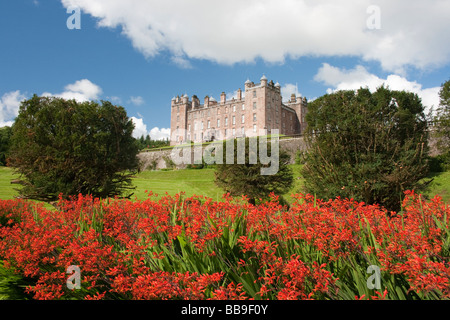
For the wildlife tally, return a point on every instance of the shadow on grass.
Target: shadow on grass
(12, 286)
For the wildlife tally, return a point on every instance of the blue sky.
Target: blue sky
(141, 53)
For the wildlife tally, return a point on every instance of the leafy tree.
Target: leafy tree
(246, 179)
(442, 120)
(366, 146)
(147, 142)
(5, 142)
(68, 147)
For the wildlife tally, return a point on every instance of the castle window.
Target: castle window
(254, 117)
(243, 107)
(254, 94)
(218, 123)
(201, 126)
(242, 119)
(234, 120)
(254, 128)
(243, 131)
(189, 128)
(225, 133)
(254, 105)
(226, 122)
(209, 124)
(234, 108)
(234, 131)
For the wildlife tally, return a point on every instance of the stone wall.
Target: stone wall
(160, 159)
(154, 160)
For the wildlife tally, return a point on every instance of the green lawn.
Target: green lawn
(201, 182)
(6, 188)
(440, 186)
(191, 181)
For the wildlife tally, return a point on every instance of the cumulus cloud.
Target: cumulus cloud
(160, 134)
(343, 79)
(155, 133)
(82, 90)
(140, 128)
(412, 32)
(288, 89)
(9, 107)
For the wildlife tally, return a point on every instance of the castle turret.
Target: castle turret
(264, 81)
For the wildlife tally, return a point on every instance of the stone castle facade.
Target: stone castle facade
(258, 110)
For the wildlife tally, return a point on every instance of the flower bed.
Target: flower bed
(195, 248)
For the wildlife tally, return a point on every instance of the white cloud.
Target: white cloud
(155, 133)
(137, 101)
(140, 128)
(160, 134)
(82, 90)
(342, 79)
(9, 107)
(413, 32)
(288, 89)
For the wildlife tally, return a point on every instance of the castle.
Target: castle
(259, 110)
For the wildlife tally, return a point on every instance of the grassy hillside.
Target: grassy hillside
(6, 188)
(191, 181)
(201, 182)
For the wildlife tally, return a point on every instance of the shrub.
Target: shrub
(63, 146)
(367, 146)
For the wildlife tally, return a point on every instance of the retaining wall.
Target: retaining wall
(160, 159)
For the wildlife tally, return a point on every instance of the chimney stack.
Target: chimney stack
(223, 98)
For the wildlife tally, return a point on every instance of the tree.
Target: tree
(63, 146)
(5, 142)
(367, 146)
(247, 179)
(442, 120)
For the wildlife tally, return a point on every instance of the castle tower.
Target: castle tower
(300, 105)
(178, 119)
